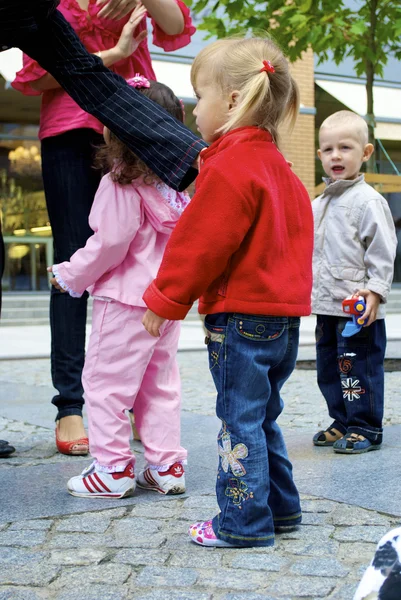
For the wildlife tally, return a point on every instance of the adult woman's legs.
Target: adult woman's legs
(70, 184)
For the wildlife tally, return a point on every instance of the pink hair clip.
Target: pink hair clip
(268, 67)
(138, 81)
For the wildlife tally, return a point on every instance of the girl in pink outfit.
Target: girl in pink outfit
(132, 217)
(68, 135)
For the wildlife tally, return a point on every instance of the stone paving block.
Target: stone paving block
(22, 538)
(233, 579)
(80, 556)
(315, 519)
(318, 506)
(322, 567)
(156, 511)
(355, 552)
(36, 574)
(205, 559)
(193, 515)
(172, 595)
(166, 577)
(88, 523)
(79, 540)
(94, 592)
(317, 548)
(358, 533)
(38, 524)
(20, 556)
(138, 557)
(250, 597)
(15, 593)
(114, 513)
(346, 515)
(95, 574)
(303, 587)
(308, 533)
(258, 562)
(345, 592)
(208, 501)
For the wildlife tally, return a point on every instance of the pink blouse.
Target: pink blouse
(59, 113)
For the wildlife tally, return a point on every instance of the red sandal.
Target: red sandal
(74, 448)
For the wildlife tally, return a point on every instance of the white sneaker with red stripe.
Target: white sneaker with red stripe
(171, 481)
(93, 483)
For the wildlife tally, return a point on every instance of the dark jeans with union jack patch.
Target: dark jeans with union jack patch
(350, 375)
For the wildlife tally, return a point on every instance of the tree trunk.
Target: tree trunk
(370, 114)
(370, 76)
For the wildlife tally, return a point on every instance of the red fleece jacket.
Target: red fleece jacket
(244, 244)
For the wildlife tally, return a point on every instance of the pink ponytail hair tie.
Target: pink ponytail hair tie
(268, 67)
(138, 81)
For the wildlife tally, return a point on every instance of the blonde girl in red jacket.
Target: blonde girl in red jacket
(249, 261)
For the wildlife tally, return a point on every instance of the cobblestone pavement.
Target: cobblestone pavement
(142, 551)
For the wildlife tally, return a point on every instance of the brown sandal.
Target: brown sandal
(320, 438)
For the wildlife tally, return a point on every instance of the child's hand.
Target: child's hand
(372, 301)
(152, 323)
(54, 282)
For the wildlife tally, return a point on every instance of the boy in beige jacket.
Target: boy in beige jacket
(355, 245)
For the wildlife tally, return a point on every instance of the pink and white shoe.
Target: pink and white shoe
(202, 533)
(93, 483)
(171, 481)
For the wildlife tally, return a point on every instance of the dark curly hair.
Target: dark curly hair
(116, 157)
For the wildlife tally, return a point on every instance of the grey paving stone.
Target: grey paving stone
(309, 533)
(91, 523)
(368, 533)
(38, 524)
(20, 556)
(346, 515)
(94, 592)
(322, 567)
(345, 592)
(157, 510)
(356, 552)
(78, 540)
(208, 559)
(37, 574)
(303, 587)
(318, 506)
(258, 562)
(232, 579)
(166, 577)
(250, 597)
(96, 574)
(22, 538)
(137, 557)
(78, 556)
(172, 595)
(208, 502)
(14, 593)
(309, 518)
(303, 548)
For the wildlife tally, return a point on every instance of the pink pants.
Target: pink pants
(125, 367)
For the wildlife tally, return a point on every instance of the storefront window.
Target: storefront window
(25, 223)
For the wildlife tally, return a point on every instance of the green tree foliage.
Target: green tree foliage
(368, 32)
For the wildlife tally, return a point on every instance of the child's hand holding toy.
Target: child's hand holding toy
(362, 306)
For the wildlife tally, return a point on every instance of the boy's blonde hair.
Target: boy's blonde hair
(355, 123)
(264, 97)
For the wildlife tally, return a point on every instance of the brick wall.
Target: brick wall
(299, 146)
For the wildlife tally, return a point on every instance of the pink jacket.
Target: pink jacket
(131, 224)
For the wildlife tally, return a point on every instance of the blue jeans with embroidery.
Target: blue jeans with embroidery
(350, 375)
(250, 358)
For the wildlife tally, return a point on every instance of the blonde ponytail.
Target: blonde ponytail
(264, 97)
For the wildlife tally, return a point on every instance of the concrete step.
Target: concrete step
(33, 308)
